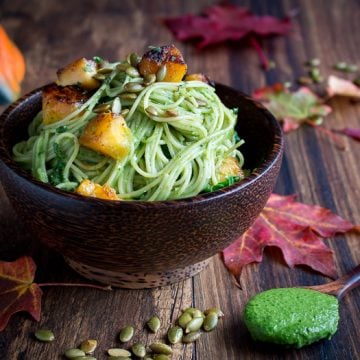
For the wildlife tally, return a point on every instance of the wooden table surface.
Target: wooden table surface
(51, 34)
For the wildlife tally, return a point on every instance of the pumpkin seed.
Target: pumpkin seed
(85, 358)
(211, 321)
(352, 68)
(194, 312)
(191, 337)
(133, 87)
(154, 324)
(101, 108)
(99, 76)
(161, 73)
(149, 79)
(134, 59)
(194, 325)
(116, 106)
(161, 357)
(175, 334)
(131, 71)
(45, 335)
(184, 319)
(201, 102)
(122, 67)
(126, 334)
(138, 350)
(304, 80)
(105, 70)
(88, 346)
(124, 112)
(119, 352)
(161, 348)
(74, 353)
(217, 311)
(128, 96)
(152, 111)
(313, 62)
(171, 112)
(341, 66)
(119, 358)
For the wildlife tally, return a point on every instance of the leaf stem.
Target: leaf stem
(99, 287)
(340, 144)
(260, 52)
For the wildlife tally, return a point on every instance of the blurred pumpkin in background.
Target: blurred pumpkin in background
(12, 69)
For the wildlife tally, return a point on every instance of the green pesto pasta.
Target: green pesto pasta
(181, 134)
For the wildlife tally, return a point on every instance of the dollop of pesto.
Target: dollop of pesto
(292, 316)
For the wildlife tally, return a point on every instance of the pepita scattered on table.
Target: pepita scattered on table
(154, 324)
(44, 335)
(74, 353)
(161, 357)
(88, 346)
(119, 352)
(126, 334)
(192, 320)
(175, 334)
(161, 348)
(191, 337)
(138, 350)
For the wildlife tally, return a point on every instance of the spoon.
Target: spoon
(341, 286)
(298, 316)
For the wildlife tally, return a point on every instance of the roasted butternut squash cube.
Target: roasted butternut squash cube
(58, 102)
(89, 188)
(229, 167)
(167, 55)
(80, 72)
(108, 134)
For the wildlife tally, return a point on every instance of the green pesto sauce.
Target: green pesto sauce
(292, 316)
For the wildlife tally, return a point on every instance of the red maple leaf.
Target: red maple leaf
(220, 23)
(225, 22)
(293, 227)
(17, 290)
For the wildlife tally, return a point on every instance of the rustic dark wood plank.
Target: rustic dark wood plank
(50, 35)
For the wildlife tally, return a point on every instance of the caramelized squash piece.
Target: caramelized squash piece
(229, 167)
(89, 188)
(167, 55)
(58, 102)
(80, 72)
(108, 134)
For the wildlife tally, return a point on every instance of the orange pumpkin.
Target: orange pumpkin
(12, 69)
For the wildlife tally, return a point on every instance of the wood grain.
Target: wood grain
(53, 33)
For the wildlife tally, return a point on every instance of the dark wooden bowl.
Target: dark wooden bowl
(142, 244)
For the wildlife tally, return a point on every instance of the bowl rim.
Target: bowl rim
(274, 156)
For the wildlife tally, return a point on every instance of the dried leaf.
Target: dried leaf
(351, 132)
(292, 108)
(225, 22)
(17, 290)
(296, 229)
(341, 87)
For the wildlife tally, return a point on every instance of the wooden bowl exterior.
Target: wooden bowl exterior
(165, 239)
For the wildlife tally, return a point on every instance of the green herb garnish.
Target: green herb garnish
(57, 176)
(229, 181)
(98, 59)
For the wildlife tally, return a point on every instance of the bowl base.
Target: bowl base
(136, 280)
